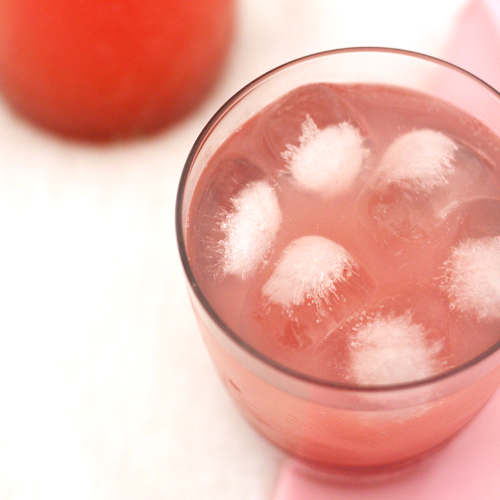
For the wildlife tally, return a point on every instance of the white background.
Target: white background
(106, 390)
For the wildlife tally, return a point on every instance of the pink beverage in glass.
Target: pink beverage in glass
(339, 222)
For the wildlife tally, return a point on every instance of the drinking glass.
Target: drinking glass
(340, 425)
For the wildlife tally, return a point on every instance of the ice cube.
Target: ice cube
(421, 159)
(478, 218)
(402, 212)
(421, 179)
(472, 277)
(232, 174)
(315, 284)
(282, 122)
(414, 165)
(250, 228)
(392, 350)
(328, 160)
(402, 336)
(309, 267)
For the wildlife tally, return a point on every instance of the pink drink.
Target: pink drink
(349, 234)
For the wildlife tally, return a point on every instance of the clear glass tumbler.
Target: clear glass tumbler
(341, 426)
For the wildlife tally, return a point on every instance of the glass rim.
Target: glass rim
(232, 335)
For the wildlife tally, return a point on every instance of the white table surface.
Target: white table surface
(106, 390)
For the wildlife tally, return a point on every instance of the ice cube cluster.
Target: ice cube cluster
(251, 224)
(423, 165)
(313, 282)
(314, 287)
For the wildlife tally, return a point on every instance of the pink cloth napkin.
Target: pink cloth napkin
(468, 467)
(475, 41)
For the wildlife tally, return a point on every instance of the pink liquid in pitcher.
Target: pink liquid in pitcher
(351, 233)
